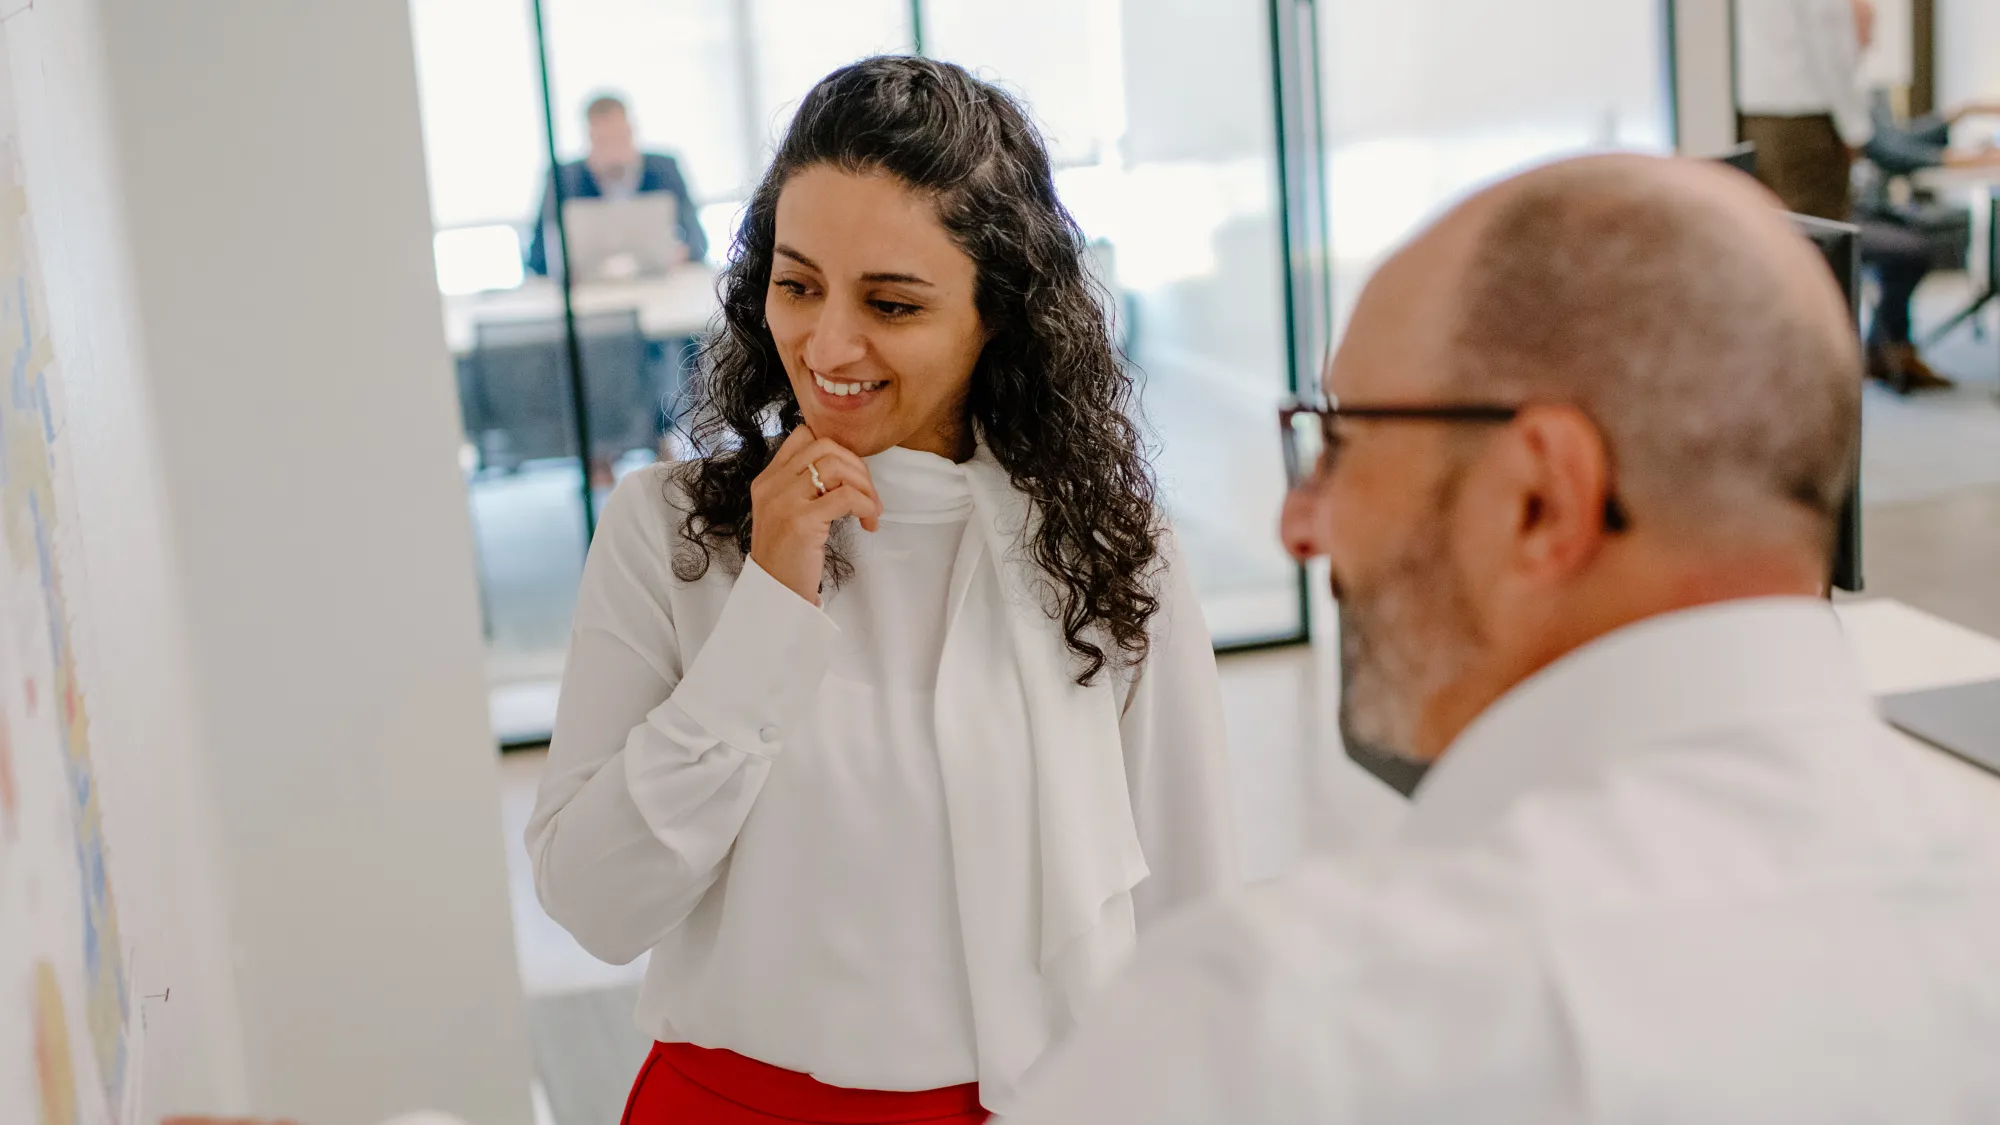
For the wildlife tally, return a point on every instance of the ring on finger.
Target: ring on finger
(819, 485)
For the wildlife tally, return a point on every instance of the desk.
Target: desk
(679, 304)
(1902, 648)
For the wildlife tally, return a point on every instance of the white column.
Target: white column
(248, 188)
(1705, 76)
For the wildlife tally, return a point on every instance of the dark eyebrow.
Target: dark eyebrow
(897, 279)
(873, 278)
(795, 256)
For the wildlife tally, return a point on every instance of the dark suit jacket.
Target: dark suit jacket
(659, 173)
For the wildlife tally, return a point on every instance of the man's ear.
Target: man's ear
(1567, 474)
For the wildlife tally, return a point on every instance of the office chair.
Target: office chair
(521, 393)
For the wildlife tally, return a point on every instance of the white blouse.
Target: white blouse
(760, 792)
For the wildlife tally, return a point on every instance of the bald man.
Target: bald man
(1663, 863)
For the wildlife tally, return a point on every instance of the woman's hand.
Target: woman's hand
(790, 518)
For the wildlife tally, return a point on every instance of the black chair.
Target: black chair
(621, 385)
(1741, 156)
(518, 404)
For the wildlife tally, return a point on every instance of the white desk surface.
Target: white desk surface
(679, 304)
(1902, 648)
(1959, 181)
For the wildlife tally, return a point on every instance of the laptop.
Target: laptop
(622, 239)
(1963, 720)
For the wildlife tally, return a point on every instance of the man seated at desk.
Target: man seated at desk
(616, 169)
(1895, 238)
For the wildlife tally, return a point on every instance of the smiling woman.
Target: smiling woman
(885, 804)
(936, 192)
(877, 328)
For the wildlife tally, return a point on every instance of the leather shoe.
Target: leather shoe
(1902, 368)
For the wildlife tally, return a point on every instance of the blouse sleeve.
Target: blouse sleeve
(656, 760)
(1833, 54)
(1176, 757)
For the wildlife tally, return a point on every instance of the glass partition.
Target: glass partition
(1160, 117)
(479, 81)
(1163, 117)
(1422, 101)
(1164, 121)
(589, 286)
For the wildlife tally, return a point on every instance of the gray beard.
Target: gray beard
(1411, 633)
(1390, 765)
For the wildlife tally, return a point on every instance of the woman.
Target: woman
(883, 737)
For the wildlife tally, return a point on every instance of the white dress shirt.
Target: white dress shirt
(1683, 875)
(824, 824)
(1796, 58)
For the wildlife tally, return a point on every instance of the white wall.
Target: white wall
(283, 657)
(121, 581)
(1968, 51)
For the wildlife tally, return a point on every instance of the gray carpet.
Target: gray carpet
(1940, 554)
(587, 1052)
(1935, 443)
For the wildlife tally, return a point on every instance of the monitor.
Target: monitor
(1840, 245)
(1742, 157)
(621, 239)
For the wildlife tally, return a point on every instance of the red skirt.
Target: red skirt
(682, 1084)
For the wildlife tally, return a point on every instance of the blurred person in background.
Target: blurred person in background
(614, 168)
(1800, 99)
(1664, 863)
(889, 722)
(1898, 239)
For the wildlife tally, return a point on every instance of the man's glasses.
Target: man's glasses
(1312, 444)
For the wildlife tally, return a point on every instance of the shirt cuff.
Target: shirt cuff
(1854, 125)
(760, 667)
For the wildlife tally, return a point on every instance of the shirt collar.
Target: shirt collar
(918, 487)
(1650, 685)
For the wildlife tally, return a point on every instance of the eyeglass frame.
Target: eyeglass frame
(1328, 410)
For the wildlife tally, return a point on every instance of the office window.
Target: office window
(1160, 116)
(676, 63)
(711, 83)
(482, 109)
(1425, 100)
(799, 42)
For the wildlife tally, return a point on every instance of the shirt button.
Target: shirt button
(769, 734)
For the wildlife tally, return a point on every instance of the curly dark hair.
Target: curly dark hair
(1049, 393)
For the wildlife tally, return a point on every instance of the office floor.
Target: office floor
(1931, 478)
